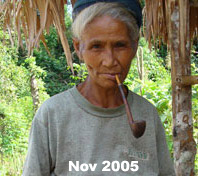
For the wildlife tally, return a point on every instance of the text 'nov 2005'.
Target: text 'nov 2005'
(108, 166)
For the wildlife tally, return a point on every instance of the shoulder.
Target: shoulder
(142, 107)
(140, 101)
(56, 107)
(58, 100)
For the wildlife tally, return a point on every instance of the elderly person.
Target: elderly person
(84, 131)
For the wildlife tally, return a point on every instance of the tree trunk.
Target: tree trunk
(140, 66)
(184, 144)
(140, 63)
(34, 92)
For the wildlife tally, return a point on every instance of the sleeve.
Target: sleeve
(37, 162)
(166, 167)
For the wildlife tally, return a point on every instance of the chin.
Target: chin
(108, 84)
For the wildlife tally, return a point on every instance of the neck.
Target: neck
(101, 96)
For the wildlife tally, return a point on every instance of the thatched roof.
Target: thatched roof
(158, 19)
(35, 16)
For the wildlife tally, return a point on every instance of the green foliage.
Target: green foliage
(12, 77)
(12, 164)
(81, 73)
(58, 76)
(194, 55)
(16, 107)
(194, 66)
(15, 125)
(13, 86)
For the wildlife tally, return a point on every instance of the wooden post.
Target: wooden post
(34, 92)
(187, 80)
(179, 38)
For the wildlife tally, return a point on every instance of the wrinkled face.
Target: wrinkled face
(107, 50)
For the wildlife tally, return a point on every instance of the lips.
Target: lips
(110, 76)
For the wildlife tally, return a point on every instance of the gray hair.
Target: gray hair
(114, 10)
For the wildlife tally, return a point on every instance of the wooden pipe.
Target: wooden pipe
(137, 127)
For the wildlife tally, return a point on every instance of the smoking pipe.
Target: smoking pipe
(138, 126)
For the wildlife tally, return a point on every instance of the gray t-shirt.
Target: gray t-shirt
(68, 130)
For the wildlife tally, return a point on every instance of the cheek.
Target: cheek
(126, 59)
(91, 60)
(126, 68)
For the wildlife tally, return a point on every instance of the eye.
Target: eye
(96, 46)
(120, 44)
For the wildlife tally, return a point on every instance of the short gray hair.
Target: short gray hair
(114, 10)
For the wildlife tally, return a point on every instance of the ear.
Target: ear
(76, 44)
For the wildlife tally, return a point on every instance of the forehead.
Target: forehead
(106, 27)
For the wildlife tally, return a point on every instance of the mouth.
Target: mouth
(111, 76)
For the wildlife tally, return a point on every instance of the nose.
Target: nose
(109, 58)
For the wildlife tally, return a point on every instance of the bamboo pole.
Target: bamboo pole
(184, 144)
